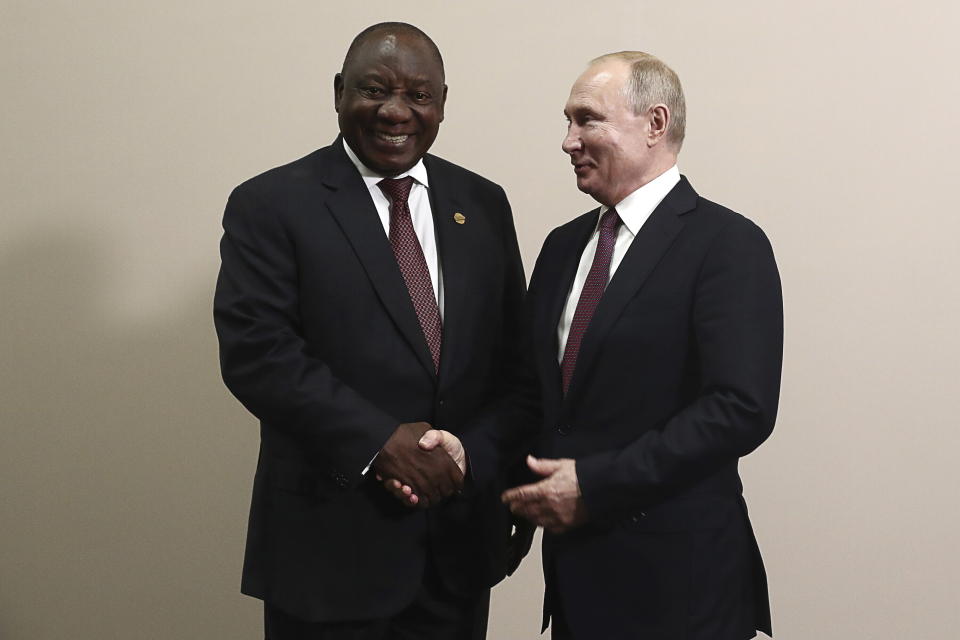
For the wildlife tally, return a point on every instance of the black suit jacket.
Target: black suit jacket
(677, 377)
(320, 341)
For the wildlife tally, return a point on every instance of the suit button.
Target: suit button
(341, 480)
(563, 429)
(441, 402)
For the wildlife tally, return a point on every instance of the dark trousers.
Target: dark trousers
(559, 630)
(435, 614)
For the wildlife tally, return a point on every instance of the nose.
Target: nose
(571, 141)
(394, 109)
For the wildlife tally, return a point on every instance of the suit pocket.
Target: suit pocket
(687, 515)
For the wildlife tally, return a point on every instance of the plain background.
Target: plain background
(125, 466)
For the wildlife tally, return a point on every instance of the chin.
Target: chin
(395, 166)
(389, 165)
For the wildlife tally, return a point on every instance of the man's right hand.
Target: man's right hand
(432, 439)
(422, 476)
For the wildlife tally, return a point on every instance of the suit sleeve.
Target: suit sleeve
(263, 356)
(505, 434)
(738, 327)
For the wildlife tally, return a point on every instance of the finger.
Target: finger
(524, 493)
(393, 487)
(431, 439)
(543, 466)
(399, 495)
(427, 488)
(419, 484)
(531, 513)
(516, 494)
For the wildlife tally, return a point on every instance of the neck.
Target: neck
(653, 171)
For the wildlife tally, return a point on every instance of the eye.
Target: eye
(371, 92)
(421, 96)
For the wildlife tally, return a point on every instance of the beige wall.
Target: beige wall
(125, 466)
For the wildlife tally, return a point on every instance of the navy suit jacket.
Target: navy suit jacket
(320, 341)
(677, 377)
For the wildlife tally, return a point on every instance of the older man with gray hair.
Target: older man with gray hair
(655, 332)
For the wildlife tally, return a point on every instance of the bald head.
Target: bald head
(375, 34)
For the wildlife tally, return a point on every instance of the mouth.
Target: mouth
(580, 167)
(393, 140)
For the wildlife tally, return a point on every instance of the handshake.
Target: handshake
(420, 465)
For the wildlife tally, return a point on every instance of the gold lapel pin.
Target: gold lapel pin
(459, 218)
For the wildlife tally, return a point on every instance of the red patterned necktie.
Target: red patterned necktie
(593, 288)
(413, 266)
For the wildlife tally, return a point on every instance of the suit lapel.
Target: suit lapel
(454, 252)
(649, 245)
(352, 207)
(558, 277)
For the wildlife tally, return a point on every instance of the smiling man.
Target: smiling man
(656, 336)
(369, 291)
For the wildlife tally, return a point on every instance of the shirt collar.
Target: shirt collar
(637, 207)
(418, 172)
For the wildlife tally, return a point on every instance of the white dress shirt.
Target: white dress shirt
(634, 211)
(421, 215)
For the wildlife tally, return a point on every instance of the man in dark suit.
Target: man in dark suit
(368, 291)
(656, 336)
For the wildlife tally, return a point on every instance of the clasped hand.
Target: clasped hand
(555, 502)
(417, 471)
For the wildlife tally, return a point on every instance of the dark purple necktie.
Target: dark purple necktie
(593, 288)
(413, 266)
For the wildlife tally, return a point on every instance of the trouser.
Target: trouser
(435, 614)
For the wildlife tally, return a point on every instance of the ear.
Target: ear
(659, 121)
(443, 101)
(337, 91)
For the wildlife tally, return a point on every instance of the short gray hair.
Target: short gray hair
(652, 82)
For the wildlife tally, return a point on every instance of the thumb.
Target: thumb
(431, 439)
(542, 467)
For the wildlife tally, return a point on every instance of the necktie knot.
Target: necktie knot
(610, 219)
(397, 189)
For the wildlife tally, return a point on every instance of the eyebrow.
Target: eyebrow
(581, 110)
(418, 81)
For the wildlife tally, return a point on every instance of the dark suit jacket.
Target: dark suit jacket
(320, 341)
(677, 377)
